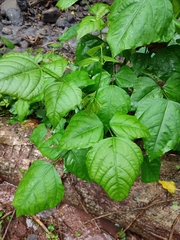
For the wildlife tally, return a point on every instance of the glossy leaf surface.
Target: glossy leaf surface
(112, 99)
(150, 170)
(114, 164)
(128, 127)
(41, 188)
(134, 23)
(64, 4)
(60, 98)
(75, 162)
(161, 117)
(20, 76)
(82, 132)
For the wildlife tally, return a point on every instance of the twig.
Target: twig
(6, 215)
(173, 226)
(8, 225)
(42, 225)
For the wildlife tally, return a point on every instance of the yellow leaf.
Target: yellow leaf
(168, 185)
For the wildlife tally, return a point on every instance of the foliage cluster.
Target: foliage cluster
(123, 85)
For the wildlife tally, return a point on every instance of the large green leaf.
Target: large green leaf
(41, 188)
(87, 42)
(80, 78)
(176, 7)
(161, 117)
(82, 132)
(150, 170)
(55, 68)
(38, 135)
(50, 148)
(70, 33)
(114, 163)
(60, 98)
(100, 80)
(172, 87)
(134, 23)
(64, 4)
(22, 109)
(89, 24)
(20, 76)
(125, 77)
(128, 126)
(166, 62)
(99, 10)
(139, 62)
(144, 89)
(75, 162)
(112, 99)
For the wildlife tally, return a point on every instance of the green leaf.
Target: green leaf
(139, 62)
(88, 61)
(125, 77)
(172, 87)
(75, 162)
(166, 61)
(144, 89)
(114, 164)
(64, 4)
(161, 117)
(60, 98)
(110, 59)
(99, 10)
(86, 43)
(22, 109)
(89, 24)
(38, 134)
(55, 68)
(150, 170)
(20, 76)
(176, 7)
(8, 43)
(79, 78)
(127, 126)
(82, 132)
(101, 80)
(40, 189)
(91, 52)
(70, 33)
(50, 148)
(135, 23)
(112, 99)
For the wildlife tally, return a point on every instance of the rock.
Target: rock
(15, 16)
(8, 4)
(32, 237)
(69, 17)
(11, 10)
(62, 22)
(50, 15)
(22, 4)
(7, 31)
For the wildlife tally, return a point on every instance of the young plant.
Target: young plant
(124, 85)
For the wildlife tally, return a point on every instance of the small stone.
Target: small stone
(51, 15)
(15, 16)
(70, 17)
(22, 4)
(32, 237)
(62, 22)
(7, 31)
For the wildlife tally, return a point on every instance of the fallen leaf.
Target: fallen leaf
(168, 185)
